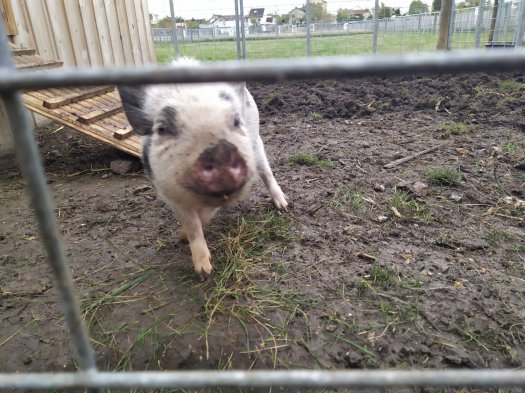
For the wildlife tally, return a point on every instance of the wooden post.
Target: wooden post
(493, 21)
(444, 24)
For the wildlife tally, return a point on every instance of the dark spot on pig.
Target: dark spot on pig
(225, 96)
(166, 123)
(236, 121)
(145, 157)
(247, 103)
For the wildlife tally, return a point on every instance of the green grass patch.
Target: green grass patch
(442, 176)
(347, 196)
(311, 160)
(454, 128)
(411, 208)
(511, 86)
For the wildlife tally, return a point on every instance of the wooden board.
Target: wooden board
(92, 117)
(57, 101)
(7, 12)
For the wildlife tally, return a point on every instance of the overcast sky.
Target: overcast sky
(206, 8)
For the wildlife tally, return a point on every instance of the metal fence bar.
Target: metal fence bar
(243, 31)
(31, 166)
(376, 27)
(308, 28)
(237, 30)
(520, 29)
(266, 378)
(273, 70)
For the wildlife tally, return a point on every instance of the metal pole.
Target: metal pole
(174, 30)
(520, 28)
(376, 27)
(460, 62)
(237, 29)
(31, 165)
(308, 22)
(498, 36)
(195, 379)
(243, 32)
(479, 23)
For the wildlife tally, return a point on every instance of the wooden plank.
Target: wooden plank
(25, 36)
(76, 31)
(123, 133)
(133, 32)
(141, 30)
(117, 43)
(75, 97)
(99, 114)
(9, 18)
(23, 51)
(42, 32)
(91, 33)
(61, 35)
(7, 145)
(129, 57)
(102, 26)
(129, 145)
(40, 64)
(149, 34)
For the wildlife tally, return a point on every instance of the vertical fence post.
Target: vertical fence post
(375, 26)
(520, 28)
(452, 26)
(31, 166)
(174, 29)
(243, 32)
(308, 22)
(237, 29)
(479, 23)
(445, 17)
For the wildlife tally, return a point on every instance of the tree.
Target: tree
(283, 19)
(436, 5)
(384, 11)
(343, 15)
(166, 22)
(467, 4)
(417, 7)
(317, 12)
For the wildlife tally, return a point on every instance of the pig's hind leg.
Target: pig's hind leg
(264, 170)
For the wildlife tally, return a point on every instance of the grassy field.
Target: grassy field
(334, 45)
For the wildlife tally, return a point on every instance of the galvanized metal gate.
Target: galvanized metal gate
(12, 82)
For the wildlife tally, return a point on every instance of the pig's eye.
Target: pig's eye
(236, 121)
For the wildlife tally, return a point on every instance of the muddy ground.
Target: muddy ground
(418, 266)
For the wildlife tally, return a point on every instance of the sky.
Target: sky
(204, 9)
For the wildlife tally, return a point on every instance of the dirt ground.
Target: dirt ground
(417, 266)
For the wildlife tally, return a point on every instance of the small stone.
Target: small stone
(347, 122)
(331, 328)
(295, 178)
(456, 198)
(381, 219)
(106, 176)
(419, 188)
(123, 167)
(379, 187)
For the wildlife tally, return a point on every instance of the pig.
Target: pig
(201, 149)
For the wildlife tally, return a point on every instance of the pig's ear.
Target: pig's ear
(133, 102)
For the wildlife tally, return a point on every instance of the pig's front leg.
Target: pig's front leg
(192, 230)
(264, 170)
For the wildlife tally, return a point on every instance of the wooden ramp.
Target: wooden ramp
(94, 111)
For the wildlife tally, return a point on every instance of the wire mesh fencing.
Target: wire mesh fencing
(492, 25)
(11, 82)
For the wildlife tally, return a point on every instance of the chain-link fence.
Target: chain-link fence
(489, 25)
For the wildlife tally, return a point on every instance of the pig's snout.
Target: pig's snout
(219, 171)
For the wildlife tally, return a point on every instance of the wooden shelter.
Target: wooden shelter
(79, 33)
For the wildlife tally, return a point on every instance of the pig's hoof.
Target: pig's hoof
(204, 275)
(281, 204)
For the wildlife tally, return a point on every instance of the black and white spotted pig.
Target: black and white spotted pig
(201, 149)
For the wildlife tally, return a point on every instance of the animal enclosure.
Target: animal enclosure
(380, 264)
